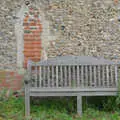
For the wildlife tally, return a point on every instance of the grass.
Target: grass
(51, 109)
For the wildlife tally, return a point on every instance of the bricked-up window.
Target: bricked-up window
(32, 36)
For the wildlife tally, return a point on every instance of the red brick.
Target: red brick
(28, 35)
(32, 37)
(36, 16)
(32, 46)
(33, 50)
(25, 24)
(27, 31)
(33, 42)
(116, 1)
(13, 82)
(36, 59)
(29, 38)
(27, 28)
(28, 54)
(36, 31)
(26, 18)
(32, 23)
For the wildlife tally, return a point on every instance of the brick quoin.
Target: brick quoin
(10, 80)
(116, 1)
(32, 37)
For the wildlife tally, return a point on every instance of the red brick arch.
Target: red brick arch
(32, 37)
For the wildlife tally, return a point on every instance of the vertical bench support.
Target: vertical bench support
(27, 100)
(27, 88)
(79, 105)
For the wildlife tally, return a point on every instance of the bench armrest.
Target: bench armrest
(27, 79)
(27, 82)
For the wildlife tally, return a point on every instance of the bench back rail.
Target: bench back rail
(72, 76)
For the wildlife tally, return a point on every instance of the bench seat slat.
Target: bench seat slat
(73, 89)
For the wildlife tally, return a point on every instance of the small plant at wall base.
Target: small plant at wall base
(50, 109)
(118, 96)
(112, 103)
(8, 99)
(117, 101)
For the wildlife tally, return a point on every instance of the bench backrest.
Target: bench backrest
(72, 71)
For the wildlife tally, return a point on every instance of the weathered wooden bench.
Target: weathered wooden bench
(71, 76)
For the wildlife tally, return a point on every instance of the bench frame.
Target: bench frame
(78, 92)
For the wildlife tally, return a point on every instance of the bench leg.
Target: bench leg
(79, 105)
(27, 102)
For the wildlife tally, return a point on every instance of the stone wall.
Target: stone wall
(81, 27)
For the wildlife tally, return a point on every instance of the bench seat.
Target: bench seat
(73, 91)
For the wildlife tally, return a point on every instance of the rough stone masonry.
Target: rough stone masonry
(80, 27)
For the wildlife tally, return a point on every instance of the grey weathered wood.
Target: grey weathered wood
(44, 76)
(90, 68)
(72, 76)
(36, 76)
(75, 60)
(74, 89)
(111, 74)
(78, 76)
(40, 76)
(81, 93)
(69, 71)
(65, 76)
(48, 75)
(107, 74)
(56, 76)
(103, 75)
(99, 78)
(27, 90)
(61, 75)
(79, 105)
(27, 101)
(95, 75)
(86, 76)
(29, 70)
(52, 76)
(82, 76)
(116, 75)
